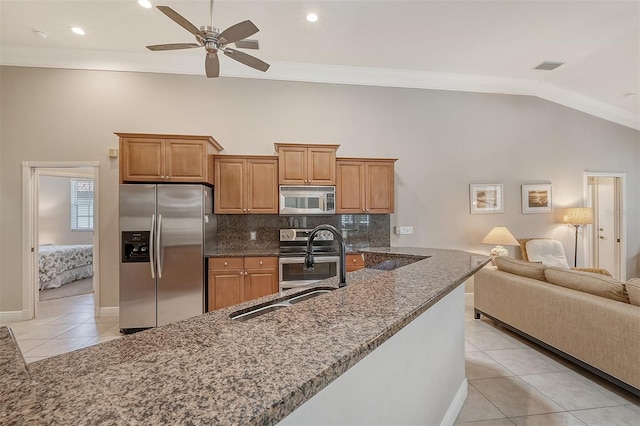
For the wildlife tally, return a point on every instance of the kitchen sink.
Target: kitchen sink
(274, 305)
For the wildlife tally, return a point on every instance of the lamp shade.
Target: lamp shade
(500, 235)
(578, 216)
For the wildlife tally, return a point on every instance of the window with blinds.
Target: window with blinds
(82, 204)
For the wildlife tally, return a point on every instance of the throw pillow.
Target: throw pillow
(520, 267)
(597, 284)
(633, 289)
(549, 252)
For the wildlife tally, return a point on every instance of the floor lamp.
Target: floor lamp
(577, 217)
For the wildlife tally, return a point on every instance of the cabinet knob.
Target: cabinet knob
(248, 210)
(261, 262)
(241, 273)
(246, 273)
(354, 260)
(226, 263)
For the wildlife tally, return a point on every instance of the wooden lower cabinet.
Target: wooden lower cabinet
(355, 262)
(233, 280)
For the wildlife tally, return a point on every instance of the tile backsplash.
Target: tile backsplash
(359, 230)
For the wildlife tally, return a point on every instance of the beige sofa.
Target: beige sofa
(591, 319)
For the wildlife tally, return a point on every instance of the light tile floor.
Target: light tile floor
(511, 381)
(515, 382)
(63, 325)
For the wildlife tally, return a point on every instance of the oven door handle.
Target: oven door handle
(300, 259)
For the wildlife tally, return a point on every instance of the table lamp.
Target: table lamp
(577, 216)
(500, 236)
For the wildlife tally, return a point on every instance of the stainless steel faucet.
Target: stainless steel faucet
(308, 258)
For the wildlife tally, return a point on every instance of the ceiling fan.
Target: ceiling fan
(213, 41)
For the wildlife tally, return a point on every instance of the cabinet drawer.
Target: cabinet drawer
(222, 263)
(261, 262)
(354, 262)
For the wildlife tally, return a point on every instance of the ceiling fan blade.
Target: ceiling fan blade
(173, 46)
(182, 21)
(237, 32)
(246, 59)
(212, 65)
(247, 43)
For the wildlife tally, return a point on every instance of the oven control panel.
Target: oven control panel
(303, 235)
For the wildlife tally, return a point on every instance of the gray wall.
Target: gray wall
(444, 141)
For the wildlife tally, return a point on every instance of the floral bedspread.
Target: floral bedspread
(55, 260)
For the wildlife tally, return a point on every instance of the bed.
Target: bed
(63, 264)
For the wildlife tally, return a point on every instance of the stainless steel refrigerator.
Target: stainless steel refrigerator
(165, 231)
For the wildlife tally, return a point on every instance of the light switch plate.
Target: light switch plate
(253, 235)
(404, 230)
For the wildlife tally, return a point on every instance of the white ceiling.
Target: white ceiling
(474, 45)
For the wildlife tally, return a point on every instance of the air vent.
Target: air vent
(548, 66)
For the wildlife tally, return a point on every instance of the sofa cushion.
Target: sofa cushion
(550, 252)
(597, 284)
(520, 267)
(633, 289)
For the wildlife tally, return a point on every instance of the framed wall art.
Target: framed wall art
(486, 198)
(536, 198)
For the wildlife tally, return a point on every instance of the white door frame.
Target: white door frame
(30, 230)
(621, 188)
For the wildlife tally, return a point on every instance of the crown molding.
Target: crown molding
(316, 73)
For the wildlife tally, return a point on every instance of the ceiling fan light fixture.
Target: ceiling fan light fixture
(77, 30)
(312, 17)
(145, 3)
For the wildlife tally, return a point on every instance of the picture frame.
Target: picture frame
(537, 198)
(486, 198)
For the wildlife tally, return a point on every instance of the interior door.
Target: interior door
(605, 226)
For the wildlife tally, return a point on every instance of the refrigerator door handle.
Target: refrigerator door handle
(159, 247)
(152, 262)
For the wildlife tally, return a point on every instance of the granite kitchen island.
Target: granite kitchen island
(211, 369)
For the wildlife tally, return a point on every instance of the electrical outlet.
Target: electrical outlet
(253, 235)
(404, 230)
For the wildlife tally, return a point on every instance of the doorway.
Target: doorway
(605, 246)
(38, 178)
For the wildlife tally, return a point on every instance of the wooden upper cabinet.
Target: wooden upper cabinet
(246, 185)
(166, 158)
(365, 185)
(307, 164)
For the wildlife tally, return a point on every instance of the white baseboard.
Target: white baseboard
(456, 405)
(13, 316)
(109, 311)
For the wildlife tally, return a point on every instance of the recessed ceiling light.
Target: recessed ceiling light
(312, 17)
(145, 3)
(40, 33)
(77, 30)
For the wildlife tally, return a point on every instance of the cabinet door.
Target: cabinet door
(229, 188)
(293, 166)
(262, 186)
(379, 187)
(258, 283)
(226, 288)
(350, 188)
(142, 160)
(321, 166)
(186, 161)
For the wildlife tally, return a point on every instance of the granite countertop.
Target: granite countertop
(213, 370)
(257, 252)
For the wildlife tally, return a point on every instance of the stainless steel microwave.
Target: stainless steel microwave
(307, 200)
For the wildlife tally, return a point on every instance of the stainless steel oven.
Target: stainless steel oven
(291, 271)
